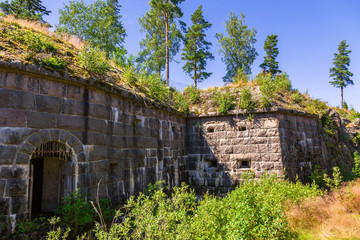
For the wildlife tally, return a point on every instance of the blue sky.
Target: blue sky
(309, 32)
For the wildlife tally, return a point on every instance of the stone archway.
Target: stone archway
(52, 157)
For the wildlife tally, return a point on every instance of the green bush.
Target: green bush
(224, 101)
(356, 168)
(192, 93)
(54, 63)
(282, 82)
(181, 102)
(31, 41)
(246, 101)
(254, 210)
(155, 87)
(297, 97)
(93, 60)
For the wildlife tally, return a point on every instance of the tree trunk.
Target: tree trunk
(342, 97)
(167, 45)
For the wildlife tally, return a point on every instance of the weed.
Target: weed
(246, 101)
(54, 63)
(93, 60)
(335, 181)
(181, 102)
(193, 94)
(297, 97)
(356, 168)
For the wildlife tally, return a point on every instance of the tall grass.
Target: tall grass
(333, 216)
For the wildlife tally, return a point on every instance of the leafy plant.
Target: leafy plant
(297, 97)
(55, 233)
(54, 63)
(193, 93)
(356, 168)
(335, 181)
(246, 101)
(181, 102)
(93, 60)
(226, 102)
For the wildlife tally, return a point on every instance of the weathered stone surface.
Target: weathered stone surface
(7, 154)
(40, 120)
(15, 187)
(12, 117)
(7, 172)
(48, 104)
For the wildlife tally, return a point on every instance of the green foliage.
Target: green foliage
(163, 36)
(57, 233)
(196, 49)
(181, 102)
(237, 48)
(267, 89)
(353, 115)
(297, 97)
(317, 176)
(254, 210)
(316, 106)
(29, 226)
(327, 125)
(356, 168)
(246, 101)
(356, 138)
(155, 87)
(98, 23)
(93, 60)
(241, 78)
(270, 65)
(335, 181)
(32, 41)
(54, 63)
(193, 94)
(282, 82)
(346, 105)
(340, 73)
(224, 101)
(79, 214)
(31, 10)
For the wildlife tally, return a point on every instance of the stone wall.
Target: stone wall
(116, 138)
(222, 148)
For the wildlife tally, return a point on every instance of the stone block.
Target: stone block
(18, 204)
(12, 117)
(64, 136)
(68, 106)
(72, 141)
(21, 100)
(2, 188)
(7, 154)
(7, 172)
(81, 157)
(78, 148)
(22, 158)
(98, 153)
(40, 120)
(71, 122)
(97, 125)
(16, 187)
(75, 92)
(100, 166)
(48, 104)
(52, 88)
(4, 98)
(27, 148)
(4, 206)
(100, 111)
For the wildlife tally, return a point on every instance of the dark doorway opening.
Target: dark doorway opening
(52, 175)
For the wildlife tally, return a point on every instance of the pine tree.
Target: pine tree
(340, 72)
(196, 48)
(98, 23)
(25, 9)
(269, 64)
(237, 48)
(160, 25)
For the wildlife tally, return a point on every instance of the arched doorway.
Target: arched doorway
(52, 177)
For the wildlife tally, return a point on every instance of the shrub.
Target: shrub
(54, 63)
(93, 60)
(216, 96)
(156, 87)
(32, 41)
(181, 102)
(356, 168)
(193, 94)
(226, 102)
(282, 82)
(297, 97)
(335, 181)
(246, 101)
(241, 78)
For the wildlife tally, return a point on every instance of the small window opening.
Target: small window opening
(243, 164)
(210, 129)
(173, 129)
(242, 128)
(211, 163)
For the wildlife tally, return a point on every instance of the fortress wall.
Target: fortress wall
(115, 139)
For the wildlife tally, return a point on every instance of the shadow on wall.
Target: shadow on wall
(221, 149)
